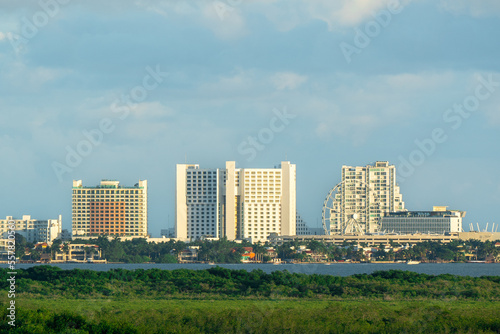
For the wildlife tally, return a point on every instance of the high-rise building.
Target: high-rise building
(235, 203)
(197, 202)
(364, 195)
(110, 209)
(33, 230)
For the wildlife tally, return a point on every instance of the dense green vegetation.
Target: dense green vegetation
(218, 300)
(252, 316)
(46, 281)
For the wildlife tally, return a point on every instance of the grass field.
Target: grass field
(255, 316)
(218, 300)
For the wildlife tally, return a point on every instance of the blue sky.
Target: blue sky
(65, 67)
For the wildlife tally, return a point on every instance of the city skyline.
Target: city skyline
(126, 90)
(111, 208)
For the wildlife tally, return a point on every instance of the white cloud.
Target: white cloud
(2, 36)
(287, 80)
(22, 78)
(352, 12)
(337, 14)
(491, 109)
(152, 110)
(227, 18)
(475, 8)
(353, 107)
(242, 82)
(225, 21)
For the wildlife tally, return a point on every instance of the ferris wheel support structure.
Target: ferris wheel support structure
(350, 222)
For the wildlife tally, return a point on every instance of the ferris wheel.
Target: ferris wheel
(359, 214)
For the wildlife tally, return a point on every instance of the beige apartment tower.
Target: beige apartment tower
(110, 209)
(235, 203)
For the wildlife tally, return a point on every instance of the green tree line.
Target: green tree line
(224, 251)
(47, 281)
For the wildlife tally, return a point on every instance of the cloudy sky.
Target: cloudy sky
(125, 90)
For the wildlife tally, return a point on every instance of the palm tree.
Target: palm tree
(65, 249)
(89, 250)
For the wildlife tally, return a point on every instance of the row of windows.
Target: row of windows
(106, 201)
(127, 225)
(107, 211)
(192, 221)
(87, 209)
(131, 220)
(202, 229)
(97, 192)
(109, 215)
(107, 231)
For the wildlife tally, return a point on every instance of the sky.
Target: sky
(126, 90)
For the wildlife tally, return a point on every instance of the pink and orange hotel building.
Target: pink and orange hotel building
(110, 209)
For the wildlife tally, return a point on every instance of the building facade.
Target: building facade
(33, 230)
(302, 228)
(365, 194)
(235, 203)
(438, 221)
(110, 209)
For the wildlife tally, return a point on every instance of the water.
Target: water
(336, 269)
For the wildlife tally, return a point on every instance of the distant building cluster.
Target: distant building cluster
(253, 204)
(33, 230)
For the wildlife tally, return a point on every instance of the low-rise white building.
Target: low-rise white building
(439, 221)
(32, 229)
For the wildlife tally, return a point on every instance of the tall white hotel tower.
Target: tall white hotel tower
(370, 192)
(235, 203)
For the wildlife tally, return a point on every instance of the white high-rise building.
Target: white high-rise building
(32, 229)
(235, 203)
(197, 202)
(365, 194)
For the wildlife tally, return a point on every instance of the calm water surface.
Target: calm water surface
(460, 269)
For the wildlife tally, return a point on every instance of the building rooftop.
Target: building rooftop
(108, 184)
